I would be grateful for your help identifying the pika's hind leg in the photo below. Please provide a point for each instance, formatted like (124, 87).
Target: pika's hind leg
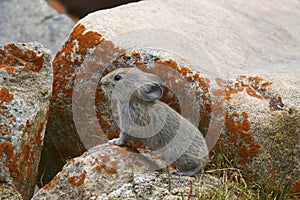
(121, 140)
(192, 172)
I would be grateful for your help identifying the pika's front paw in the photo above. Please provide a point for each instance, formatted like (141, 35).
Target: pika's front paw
(116, 141)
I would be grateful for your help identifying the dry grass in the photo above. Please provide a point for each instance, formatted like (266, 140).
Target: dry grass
(234, 186)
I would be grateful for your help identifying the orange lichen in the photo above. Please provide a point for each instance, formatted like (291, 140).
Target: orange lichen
(252, 92)
(139, 63)
(28, 124)
(12, 55)
(38, 138)
(71, 160)
(47, 186)
(241, 144)
(264, 85)
(63, 59)
(10, 69)
(110, 170)
(5, 95)
(111, 133)
(237, 128)
(98, 168)
(22, 168)
(255, 79)
(53, 183)
(125, 152)
(168, 63)
(252, 85)
(7, 149)
(185, 71)
(19, 168)
(104, 165)
(74, 179)
(136, 55)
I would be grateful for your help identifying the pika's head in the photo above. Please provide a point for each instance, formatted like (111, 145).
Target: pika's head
(132, 84)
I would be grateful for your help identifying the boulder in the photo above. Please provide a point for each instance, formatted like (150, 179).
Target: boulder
(25, 90)
(261, 130)
(98, 171)
(33, 21)
(81, 8)
(230, 68)
(111, 172)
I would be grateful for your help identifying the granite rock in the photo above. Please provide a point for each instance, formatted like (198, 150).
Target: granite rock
(25, 90)
(261, 133)
(112, 172)
(98, 171)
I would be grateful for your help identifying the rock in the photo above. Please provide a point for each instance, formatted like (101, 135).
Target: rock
(261, 133)
(232, 38)
(157, 185)
(100, 170)
(81, 8)
(8, 192)
(25, 90)
(217, 61)
(112, 172)
(33, 21)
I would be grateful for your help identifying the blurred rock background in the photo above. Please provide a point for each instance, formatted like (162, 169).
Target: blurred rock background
(80, 8)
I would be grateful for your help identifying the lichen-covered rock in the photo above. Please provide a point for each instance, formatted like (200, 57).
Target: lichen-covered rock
(8, 192)
(33, 21)
(25, 90)
(206, 59)
(100, 170)
(262, 125)
(112, 172)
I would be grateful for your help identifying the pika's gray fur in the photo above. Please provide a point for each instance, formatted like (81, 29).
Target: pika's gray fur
(160, 128)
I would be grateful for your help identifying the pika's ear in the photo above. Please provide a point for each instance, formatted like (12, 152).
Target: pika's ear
(150, 91)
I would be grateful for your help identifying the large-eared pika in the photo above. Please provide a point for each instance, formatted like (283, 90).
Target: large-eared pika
(156, 125)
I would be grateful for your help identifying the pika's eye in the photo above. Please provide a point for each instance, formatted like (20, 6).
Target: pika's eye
(117, 77)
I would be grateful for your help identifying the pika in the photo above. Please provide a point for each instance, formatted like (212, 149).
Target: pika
(141, 116)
